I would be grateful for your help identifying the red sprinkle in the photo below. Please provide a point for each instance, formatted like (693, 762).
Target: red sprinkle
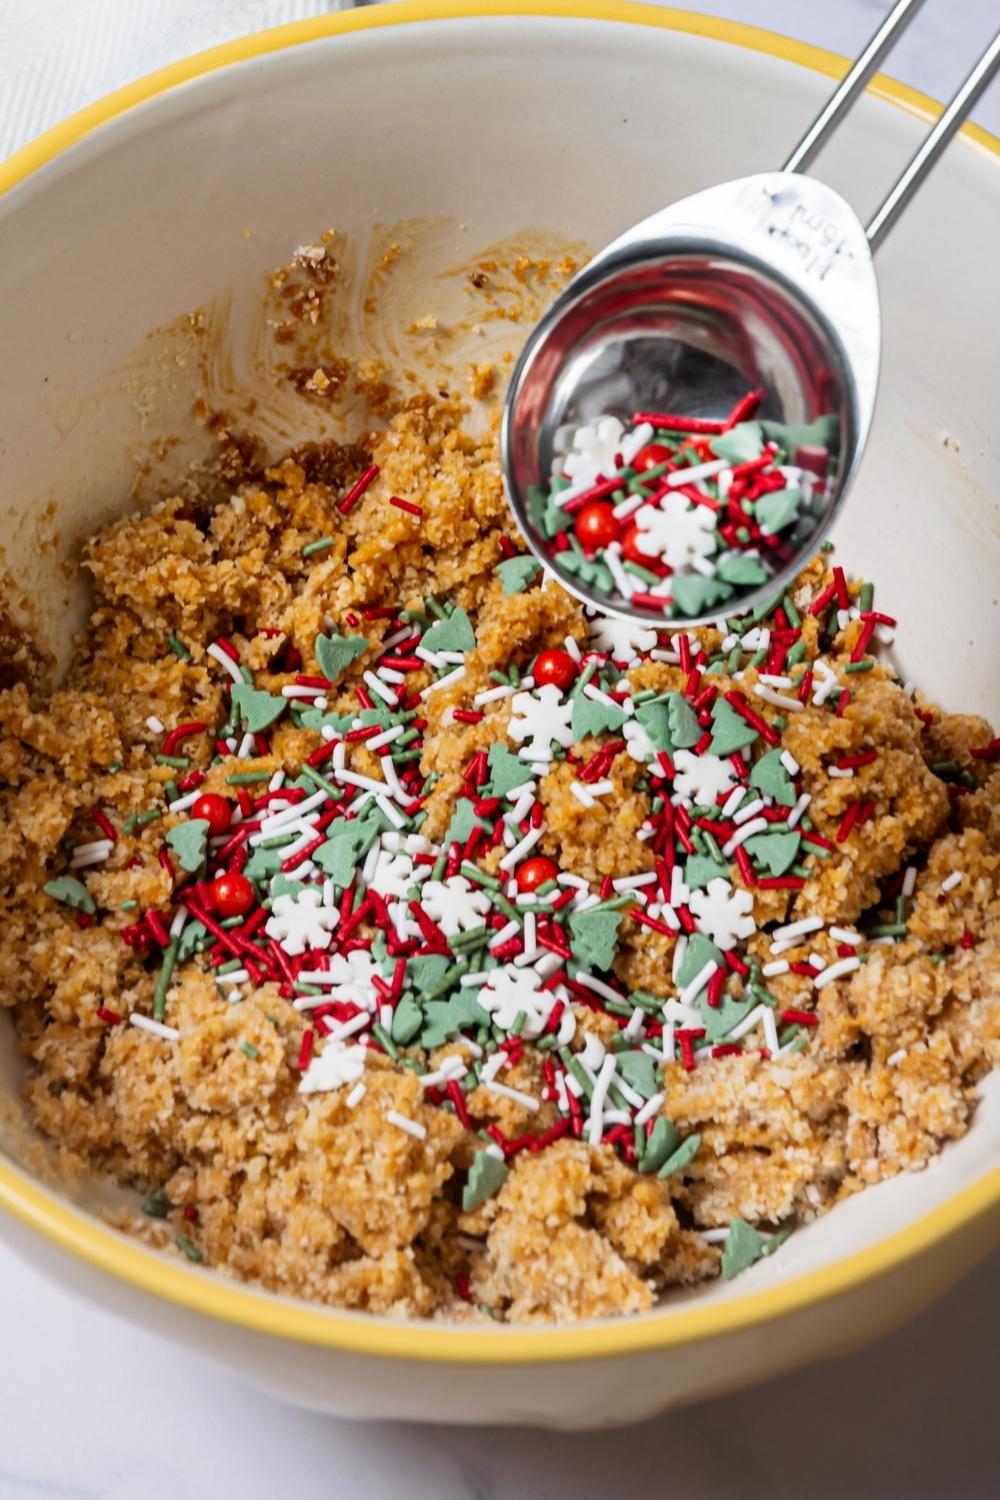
(350, 500)
(407, 505)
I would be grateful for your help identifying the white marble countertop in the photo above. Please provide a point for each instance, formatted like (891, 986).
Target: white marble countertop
(95, 1410)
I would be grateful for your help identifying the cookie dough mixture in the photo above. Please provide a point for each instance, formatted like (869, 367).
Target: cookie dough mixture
(409, 941)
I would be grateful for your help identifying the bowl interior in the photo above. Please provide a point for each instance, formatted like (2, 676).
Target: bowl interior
(497, 126)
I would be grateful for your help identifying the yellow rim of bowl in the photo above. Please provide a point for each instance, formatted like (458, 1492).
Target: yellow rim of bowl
(216, 1297)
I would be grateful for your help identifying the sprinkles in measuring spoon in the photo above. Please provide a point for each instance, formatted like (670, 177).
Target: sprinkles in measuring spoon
(681, 515)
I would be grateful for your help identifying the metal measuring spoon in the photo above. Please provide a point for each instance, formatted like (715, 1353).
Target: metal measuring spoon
(763, 283)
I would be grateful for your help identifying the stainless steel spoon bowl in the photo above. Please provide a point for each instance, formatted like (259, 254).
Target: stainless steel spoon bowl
(765, 282)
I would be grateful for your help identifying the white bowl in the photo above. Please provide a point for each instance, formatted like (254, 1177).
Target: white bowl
(578, 118)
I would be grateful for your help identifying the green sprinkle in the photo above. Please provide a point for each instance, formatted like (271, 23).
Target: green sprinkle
(318, 546)
(867, 596)
(311, 774)
(163, 980)
(487, 1176)
(156, 1205)
(826, 547)
(888, 929)
(178, 762)
(250, 1050)
(71, 892)
(679, 1158)
(178, 648)
(945, 767)
(385, 1040)
(247, 778)
(189, 841)
(127, 905)
(859, 666)
(744, 1246)
(171, 791)
(189, 1248)
(117, 765)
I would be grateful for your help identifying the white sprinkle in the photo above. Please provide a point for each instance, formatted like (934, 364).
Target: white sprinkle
(527, 1100)
(634, 882)
(680, 948)
(356, 1095)
(572, 649)
(412, 1127)
(627, 506)
(515, 855)
(380, 690)
(756, 825)
(626, 586)
(789, 762)
(697, 984)
(600, 788)
(346, 1028)
(236, 976)
(777, 966)
(225, 660)
(493, 695)
(595, 1125)
(155, 1028)
(796, 929)
(798, 810)
(155, 724)
(846, 935)
(590, 691)
(733, 801)
(714, 1236)
(581, 794)
(696, 471)
(635, 1025)
(845, 774)
(895, 1058)
(946, 885)
(181, 804)
(396, 818)
(505, 934)
(178, 924)
(774, 681)
(366, 783)
(836, 971)
(576, 881)
(751, 809)
(390, 675)
(649, 1109)
(779, 700)
(447, 681)
(599, 987)
(294, 691)
(910, 880)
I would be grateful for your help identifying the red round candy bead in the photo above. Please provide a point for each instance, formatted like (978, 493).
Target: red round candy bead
(651, 456)
(554, 666)
(216, 811)
(597, 525)
(232, 894)
(535, 872)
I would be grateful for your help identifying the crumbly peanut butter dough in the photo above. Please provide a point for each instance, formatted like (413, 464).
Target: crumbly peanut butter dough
(306, 1195)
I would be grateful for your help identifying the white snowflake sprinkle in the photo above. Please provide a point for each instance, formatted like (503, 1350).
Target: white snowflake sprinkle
(622, 640)
(595, 447)
(703, 778)
(723, 913)
(509, 991)
(675, 531)
(302, 922)
(454, 904)
(538, 718)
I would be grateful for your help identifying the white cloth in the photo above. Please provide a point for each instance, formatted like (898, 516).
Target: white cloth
(58, 55)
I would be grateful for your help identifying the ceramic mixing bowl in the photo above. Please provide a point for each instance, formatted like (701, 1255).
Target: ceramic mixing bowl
(579, 118)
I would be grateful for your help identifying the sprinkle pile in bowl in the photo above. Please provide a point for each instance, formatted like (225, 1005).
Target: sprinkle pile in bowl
(681, 515)
(411, 941)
